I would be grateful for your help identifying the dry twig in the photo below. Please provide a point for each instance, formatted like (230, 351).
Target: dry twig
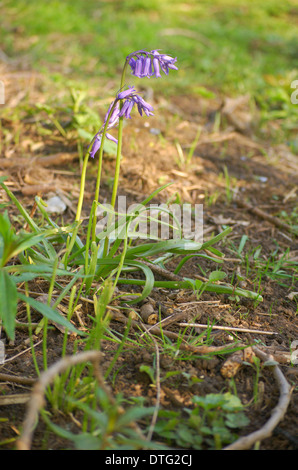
(163, 272)
(277, 415)
(16, 379)
(158, 389)
(183, 345)
(16, 399)
(36, 401)
(228, 328)
(264, 215)
(37, 397)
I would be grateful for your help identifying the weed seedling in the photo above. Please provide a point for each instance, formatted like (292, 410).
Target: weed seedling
(210, 423)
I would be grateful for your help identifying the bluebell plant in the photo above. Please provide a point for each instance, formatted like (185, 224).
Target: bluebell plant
(142, 64)
(102, 261)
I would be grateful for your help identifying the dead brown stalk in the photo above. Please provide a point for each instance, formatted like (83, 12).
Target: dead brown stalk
(278, 413)
(36, 401)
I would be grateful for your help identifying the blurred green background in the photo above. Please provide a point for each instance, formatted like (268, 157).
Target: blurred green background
(224, 46)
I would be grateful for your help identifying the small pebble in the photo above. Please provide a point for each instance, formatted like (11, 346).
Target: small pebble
(55, 205)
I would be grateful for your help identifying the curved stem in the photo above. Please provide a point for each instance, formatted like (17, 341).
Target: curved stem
(82, 186)
(99, 169)
(118, 162)
(118, 157)
(97, 187)
(71, 239)
(119, 146)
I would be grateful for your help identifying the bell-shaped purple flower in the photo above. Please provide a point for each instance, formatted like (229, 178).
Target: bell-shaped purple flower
(112, 138)
(143, 106)
(126, 109)
(114, 118)
(147, 67)
(165, 61)
(132, 62)
(126, 93)
(97, 143)
(139, 67)
(131, 98)
(156, 67)
(148, 64)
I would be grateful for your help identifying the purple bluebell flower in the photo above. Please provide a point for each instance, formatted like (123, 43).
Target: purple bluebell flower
(132, 62)
(139, 67)
(114, 118)
(147, 67)
(97, 143)
(166, 62)
(155, 62)
(143, 106)
(148, 64)
(112, 138)
(142, 64)
(126, 93)
(127, 108)
(129, 98)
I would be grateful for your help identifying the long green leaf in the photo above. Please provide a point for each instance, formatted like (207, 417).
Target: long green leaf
(48, 246)
(186, 258)
(28, 240)
(22, 210)
(49, 313)
(217, 238)
(122, 224)
(92, 267)
(179, 246)
(189, 283)
(148, 283)
(8, 303)
(39, 269)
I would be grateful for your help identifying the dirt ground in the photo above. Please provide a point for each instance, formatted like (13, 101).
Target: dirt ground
(263, 183)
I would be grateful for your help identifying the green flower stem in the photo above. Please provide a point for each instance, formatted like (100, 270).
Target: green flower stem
(97, 187)
(82, 186)
(71, 240)
(116, 178)
(88, 237)
(31, 332)
(99, 170)
(118, 161)
(118, 158)
(121, 261)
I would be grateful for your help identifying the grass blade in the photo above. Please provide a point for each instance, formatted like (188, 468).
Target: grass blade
(48, 312)
(8, 303)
